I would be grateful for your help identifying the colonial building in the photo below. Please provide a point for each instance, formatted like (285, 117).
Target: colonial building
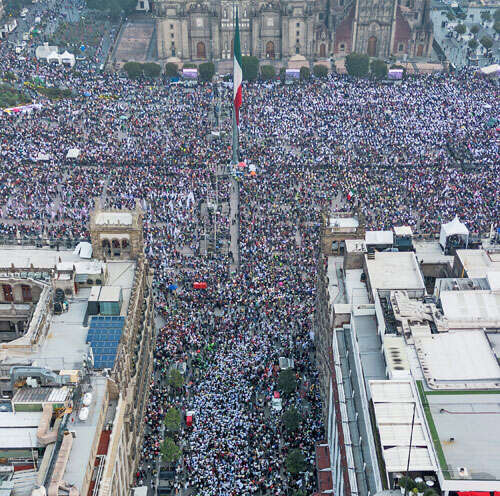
(317, 29)
(77, 336)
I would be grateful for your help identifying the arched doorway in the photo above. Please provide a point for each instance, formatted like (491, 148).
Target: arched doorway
(106, 248)
(322, 50)
(115, 243)
(270, 50)
(372, 46)
(201, 51)
(420, 50)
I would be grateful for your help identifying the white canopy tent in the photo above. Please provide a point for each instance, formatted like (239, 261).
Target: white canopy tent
(73, 153)
(455, 227)
(67, 58)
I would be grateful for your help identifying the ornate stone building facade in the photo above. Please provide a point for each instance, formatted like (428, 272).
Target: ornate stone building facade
(317, 29)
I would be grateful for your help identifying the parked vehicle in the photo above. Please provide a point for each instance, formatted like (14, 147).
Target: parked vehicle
(24, 13)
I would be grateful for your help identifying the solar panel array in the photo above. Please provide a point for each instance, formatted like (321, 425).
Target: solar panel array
(104, 335)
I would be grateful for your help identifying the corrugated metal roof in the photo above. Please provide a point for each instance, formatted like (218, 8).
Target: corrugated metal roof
(41, 395)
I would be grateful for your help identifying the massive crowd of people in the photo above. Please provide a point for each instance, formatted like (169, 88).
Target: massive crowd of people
(396, 151)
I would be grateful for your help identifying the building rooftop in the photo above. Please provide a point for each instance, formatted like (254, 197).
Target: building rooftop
(398, 270)
(19, 419)
(468, 431)
(471, 309)
(116, 218)
(458, 360)
(430, 252)
(477, 263)
(85, 432)
(379, 237)
(42, 258)
(19, 438)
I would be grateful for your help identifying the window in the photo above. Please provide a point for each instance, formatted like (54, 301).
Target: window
(297, 50)
(320, 16)
(298, 33)
(400, 47)
(342, 46)
(297, 41)
(26, 290)
(199, 22)
(225, 14)
(416, 15)
(171, 26)
(142, 5)
(298, 24)
(7, 292)
(172, 35)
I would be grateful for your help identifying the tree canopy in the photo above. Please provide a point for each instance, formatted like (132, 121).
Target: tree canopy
(170, 452)
(378, 68)
(250, 68)
(357, 64)
(287, 383)
(295, 461)
(320, 71)
(172, 420)
(206, 71)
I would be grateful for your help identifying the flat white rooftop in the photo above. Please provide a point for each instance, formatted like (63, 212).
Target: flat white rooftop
(394, 270)
(477, 263)
(42, 258)
(472, 421)
(379, 237)
(19, 419)
(465, 309)
(115, 218)
(19, 438)
(459, 360)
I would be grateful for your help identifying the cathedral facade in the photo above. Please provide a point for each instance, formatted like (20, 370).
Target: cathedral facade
(279, 29)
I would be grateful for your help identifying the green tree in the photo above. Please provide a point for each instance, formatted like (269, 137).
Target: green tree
(282, 74)
(460, 29)
(496, 26)
(287, 383)
(250, 68)
(206, 71)
(295, 462)
(379, 68)
(357, 64)
(450, 16)
(486, 16)
(175, 379)
(170, 452)
(133, 69)
(462, 15)
(474, 29)
(171, 70)
(190, 65)
(320, 71)
(172, 420)
(487, 42)
(291, 420)
(9, 76)
(305, 73)
(267, 72)
(496, 15)
(151, 69)
(473, 44)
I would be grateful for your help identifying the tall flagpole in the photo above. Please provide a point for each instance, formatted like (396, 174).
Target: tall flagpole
(234, 228)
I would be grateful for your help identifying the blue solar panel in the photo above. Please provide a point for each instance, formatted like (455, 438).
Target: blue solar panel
(104, 335)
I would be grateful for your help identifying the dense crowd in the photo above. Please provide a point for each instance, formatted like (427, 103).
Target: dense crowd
(395, 151)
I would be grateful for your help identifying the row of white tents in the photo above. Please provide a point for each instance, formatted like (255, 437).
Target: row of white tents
(50, 55)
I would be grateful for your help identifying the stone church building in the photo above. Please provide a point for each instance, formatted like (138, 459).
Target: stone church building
(279, 29)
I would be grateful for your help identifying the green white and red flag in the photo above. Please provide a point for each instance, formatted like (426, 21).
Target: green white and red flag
(237, 72)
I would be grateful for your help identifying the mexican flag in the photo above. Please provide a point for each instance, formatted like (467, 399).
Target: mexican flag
(350, 194)
(237, 72)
